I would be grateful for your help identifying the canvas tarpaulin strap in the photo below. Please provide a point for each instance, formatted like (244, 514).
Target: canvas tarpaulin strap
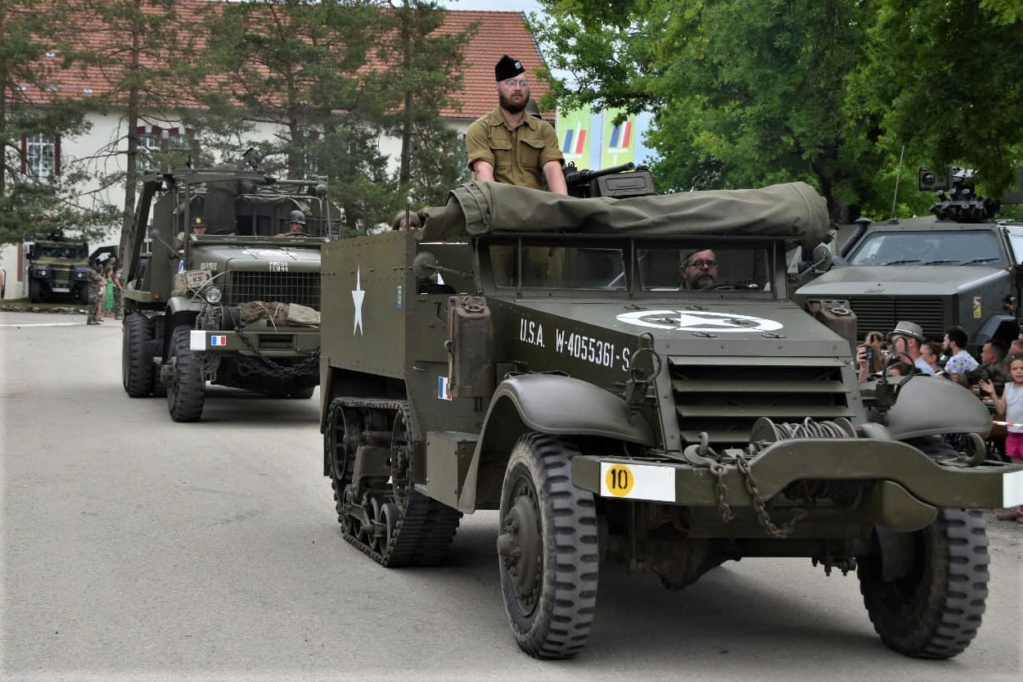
(279, 314)
(794, 211)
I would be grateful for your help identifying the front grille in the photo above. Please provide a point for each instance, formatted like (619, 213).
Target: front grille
(285, 287)
(725, 396)
(882, 313)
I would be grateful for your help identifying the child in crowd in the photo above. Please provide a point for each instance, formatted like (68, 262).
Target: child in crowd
(1010, 404)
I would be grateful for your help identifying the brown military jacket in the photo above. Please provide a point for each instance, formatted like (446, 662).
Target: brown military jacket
(518, 156)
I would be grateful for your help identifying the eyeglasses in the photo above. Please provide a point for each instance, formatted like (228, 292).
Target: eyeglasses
(703, 264)
(522, 83)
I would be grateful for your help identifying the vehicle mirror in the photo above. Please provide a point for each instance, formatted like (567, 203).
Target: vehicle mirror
(822, 258)
(425, 265)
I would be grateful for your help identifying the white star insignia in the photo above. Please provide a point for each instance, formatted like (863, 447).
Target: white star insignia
(357, 297)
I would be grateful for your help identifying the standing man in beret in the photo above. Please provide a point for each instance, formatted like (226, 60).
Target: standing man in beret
(508, 145)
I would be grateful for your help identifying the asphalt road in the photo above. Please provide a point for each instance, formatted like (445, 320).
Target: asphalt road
(137, 548)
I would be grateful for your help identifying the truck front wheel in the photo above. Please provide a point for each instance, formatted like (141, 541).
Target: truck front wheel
(35, 291)
(185, 394)
(925, 591)
(548, 554)
(136, 362)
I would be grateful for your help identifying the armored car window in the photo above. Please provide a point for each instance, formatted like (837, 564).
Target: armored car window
(714, 268)
(929, 247)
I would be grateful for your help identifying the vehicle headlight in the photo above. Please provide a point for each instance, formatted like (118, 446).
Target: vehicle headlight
(41, 272)
(213, 295)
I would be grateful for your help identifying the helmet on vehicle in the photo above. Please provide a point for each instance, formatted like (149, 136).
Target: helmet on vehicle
(297, 217)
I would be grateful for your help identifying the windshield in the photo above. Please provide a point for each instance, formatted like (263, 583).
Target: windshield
(658, 269)
(61, 252)
(930, 247)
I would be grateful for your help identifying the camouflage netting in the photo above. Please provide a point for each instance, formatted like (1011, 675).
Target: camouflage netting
(794, 211)
(279, 314)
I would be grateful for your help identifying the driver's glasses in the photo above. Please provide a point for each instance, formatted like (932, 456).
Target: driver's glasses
(700, 264)
(522, 83)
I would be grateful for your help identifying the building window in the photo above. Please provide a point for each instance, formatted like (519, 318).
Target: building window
(41, 154)
(152, 137)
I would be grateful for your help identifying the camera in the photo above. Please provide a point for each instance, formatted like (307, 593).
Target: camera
(869, 354)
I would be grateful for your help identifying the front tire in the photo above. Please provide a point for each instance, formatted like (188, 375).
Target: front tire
(932, 606)
(185, 395)
(136, 362)
(35, 291)
(548, 551)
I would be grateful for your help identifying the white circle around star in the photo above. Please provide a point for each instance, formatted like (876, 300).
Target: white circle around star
(698, 321)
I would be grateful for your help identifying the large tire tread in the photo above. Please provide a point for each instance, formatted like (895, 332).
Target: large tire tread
(186, 395)
(942, 616)
(560, 623)
(136, 361)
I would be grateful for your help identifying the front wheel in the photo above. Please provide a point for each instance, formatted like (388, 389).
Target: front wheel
(185, 394)
(925, 591)
(136, 359)
(548, 552)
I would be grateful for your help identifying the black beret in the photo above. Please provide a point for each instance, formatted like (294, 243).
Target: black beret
(507, 67)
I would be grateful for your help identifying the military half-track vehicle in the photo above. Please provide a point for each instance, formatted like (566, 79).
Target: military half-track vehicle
(539, 355)
(58, 269)
(958, 267)
(237, 306)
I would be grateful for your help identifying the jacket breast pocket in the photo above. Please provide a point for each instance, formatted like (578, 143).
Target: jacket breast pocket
(502, 149)
(529, 153)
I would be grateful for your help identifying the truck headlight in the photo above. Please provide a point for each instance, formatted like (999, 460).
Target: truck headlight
(213, 295)
(41, 272)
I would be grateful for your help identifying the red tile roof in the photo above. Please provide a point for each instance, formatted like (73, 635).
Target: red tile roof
(497, 33)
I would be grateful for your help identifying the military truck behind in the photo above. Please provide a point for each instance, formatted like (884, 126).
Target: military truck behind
(958, 267)
(538, 355)
(58, 269)
(237, 306)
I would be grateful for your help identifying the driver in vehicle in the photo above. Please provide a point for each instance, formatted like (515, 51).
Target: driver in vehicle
(296, 225)
(699, 270)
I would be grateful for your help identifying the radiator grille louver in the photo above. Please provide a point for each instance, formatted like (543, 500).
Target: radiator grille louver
(882, 313)
(285, 287)
(726, 399)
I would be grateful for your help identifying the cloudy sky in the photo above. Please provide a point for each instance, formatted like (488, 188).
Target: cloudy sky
(502, 5)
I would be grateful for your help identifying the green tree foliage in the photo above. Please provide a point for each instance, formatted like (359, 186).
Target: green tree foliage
(423, 63)
(36, 43)
(945, 79)
(833, 92)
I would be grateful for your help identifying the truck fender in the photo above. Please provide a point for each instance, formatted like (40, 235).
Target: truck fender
(932, 405)
(1002, 327)
(181, 304)
(547, 403)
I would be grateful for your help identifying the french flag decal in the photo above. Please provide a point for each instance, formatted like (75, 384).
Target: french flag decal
(218, 340)
(575, 141)
(621, 136)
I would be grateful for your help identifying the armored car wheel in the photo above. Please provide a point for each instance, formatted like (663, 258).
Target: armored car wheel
(548, 554)
(185, 394)
(136, 362)
(925, 591)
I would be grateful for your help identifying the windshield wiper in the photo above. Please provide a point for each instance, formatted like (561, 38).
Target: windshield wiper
(940, 262)
(979, 260)
(902, 262)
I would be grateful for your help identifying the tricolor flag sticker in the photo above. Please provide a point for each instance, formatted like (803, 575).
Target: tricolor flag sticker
(218, 340)
(442, 388)
(621, 136)
(575, 141)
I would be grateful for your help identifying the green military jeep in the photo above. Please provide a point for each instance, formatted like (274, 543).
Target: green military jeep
(549, 357)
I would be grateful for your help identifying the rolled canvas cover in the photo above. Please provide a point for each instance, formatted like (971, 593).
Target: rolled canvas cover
(794, 211)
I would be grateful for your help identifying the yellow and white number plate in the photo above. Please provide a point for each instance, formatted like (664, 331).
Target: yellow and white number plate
(637, 482)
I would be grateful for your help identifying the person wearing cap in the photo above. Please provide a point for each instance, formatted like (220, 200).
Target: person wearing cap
(198, 229)
(699, 269)
(296, 225)
(906, 338)
(508, 145)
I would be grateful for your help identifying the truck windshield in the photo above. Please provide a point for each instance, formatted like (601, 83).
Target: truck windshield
(61, 252)
(660, 269)
(929, 247)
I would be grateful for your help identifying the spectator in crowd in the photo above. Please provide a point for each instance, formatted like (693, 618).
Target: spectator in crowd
(875, 340)
(905, 340)
(992, 366)
(959, 359)
(97, 283)
(931, 354)
(1010, 404)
